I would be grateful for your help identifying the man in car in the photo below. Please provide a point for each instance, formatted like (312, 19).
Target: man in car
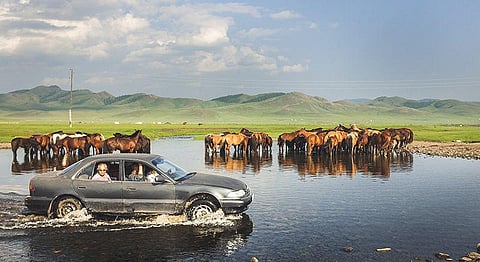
(137, 173)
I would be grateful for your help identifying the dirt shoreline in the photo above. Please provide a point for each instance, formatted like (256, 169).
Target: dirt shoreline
(451, 149)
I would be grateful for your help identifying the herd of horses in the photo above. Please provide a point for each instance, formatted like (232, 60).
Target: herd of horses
(60, 143)
(242, 143)
(314, 141)
(342, 139)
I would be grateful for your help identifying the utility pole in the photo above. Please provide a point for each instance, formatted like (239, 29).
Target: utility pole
(70, 123)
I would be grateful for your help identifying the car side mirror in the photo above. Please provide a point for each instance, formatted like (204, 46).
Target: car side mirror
(159, 179)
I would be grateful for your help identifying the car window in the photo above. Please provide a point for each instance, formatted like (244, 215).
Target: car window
(86, 172)
(113, 169)
(134, 171)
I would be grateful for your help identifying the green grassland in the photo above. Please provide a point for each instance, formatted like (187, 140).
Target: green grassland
(10, 130)
(44, 109)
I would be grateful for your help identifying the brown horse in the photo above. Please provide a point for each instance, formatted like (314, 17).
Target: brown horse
(238, 141)
(267, 142)
(315, 141)
(44, 142)
(287, 140)
(143, 144)
(124, 144)
(351, 141)
(208, 140)
(72, 144)
(218, 143)
(30, 145)
(96, 141)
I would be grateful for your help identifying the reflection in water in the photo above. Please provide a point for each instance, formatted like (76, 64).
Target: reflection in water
(239, 162)
(43, 164)
(121, 242)
(316, 165)
(345, 164)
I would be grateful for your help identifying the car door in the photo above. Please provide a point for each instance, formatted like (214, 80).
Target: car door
(100, 196)
(148, 197)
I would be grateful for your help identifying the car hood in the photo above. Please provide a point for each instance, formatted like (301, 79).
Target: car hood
(215, 180)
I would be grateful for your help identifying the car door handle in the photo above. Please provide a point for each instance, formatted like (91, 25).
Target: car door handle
(82, 187)
(131, 189)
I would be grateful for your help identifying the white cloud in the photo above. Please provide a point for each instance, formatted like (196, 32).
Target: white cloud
(287, 14)
(143, 39)
(128, 23)
(211, 35)
(297, 68)
(209, 62)
(282, 58)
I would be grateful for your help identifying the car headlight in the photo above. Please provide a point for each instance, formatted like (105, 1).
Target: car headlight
(236, 194)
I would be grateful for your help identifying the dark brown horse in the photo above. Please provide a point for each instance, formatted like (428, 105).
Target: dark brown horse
(30, 145)
(143, 145)
(44, 142)
(96, 141)
(287, 140)
(72, 144)
(122, 143)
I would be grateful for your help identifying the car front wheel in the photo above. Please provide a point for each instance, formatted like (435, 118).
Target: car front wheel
(67, 205)
(200, 208)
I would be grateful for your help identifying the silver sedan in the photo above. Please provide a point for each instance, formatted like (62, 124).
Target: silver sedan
(132, 185)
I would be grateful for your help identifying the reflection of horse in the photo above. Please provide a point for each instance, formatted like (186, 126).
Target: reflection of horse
(30, 146)
(124, 144)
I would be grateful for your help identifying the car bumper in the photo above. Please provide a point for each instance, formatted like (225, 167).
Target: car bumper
(37, 205)
(237, 205)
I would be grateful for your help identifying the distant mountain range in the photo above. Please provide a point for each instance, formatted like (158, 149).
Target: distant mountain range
(51, 103)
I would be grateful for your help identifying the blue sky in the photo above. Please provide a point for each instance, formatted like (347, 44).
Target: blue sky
(206, 49)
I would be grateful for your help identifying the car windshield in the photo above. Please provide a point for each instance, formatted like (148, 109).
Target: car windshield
(172, 170)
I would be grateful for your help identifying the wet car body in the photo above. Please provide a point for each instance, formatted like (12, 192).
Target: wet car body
(174, 190)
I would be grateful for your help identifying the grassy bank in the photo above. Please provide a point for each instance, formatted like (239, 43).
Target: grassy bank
(437, 133)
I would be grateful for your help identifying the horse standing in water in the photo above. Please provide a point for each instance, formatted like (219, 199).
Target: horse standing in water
(30, 145)
(96, 141)
(124, 144)
(71, 144)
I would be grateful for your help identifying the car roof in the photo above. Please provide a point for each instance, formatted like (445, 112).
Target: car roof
(123, 156)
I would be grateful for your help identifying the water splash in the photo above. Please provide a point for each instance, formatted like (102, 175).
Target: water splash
(82, 218)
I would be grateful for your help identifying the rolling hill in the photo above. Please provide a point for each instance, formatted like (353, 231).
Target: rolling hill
(51, 103)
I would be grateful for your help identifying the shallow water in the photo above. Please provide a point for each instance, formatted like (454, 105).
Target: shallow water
(305, 208)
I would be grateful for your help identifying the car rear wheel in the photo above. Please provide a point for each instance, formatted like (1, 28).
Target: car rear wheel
(200, 208)
(67, 205)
